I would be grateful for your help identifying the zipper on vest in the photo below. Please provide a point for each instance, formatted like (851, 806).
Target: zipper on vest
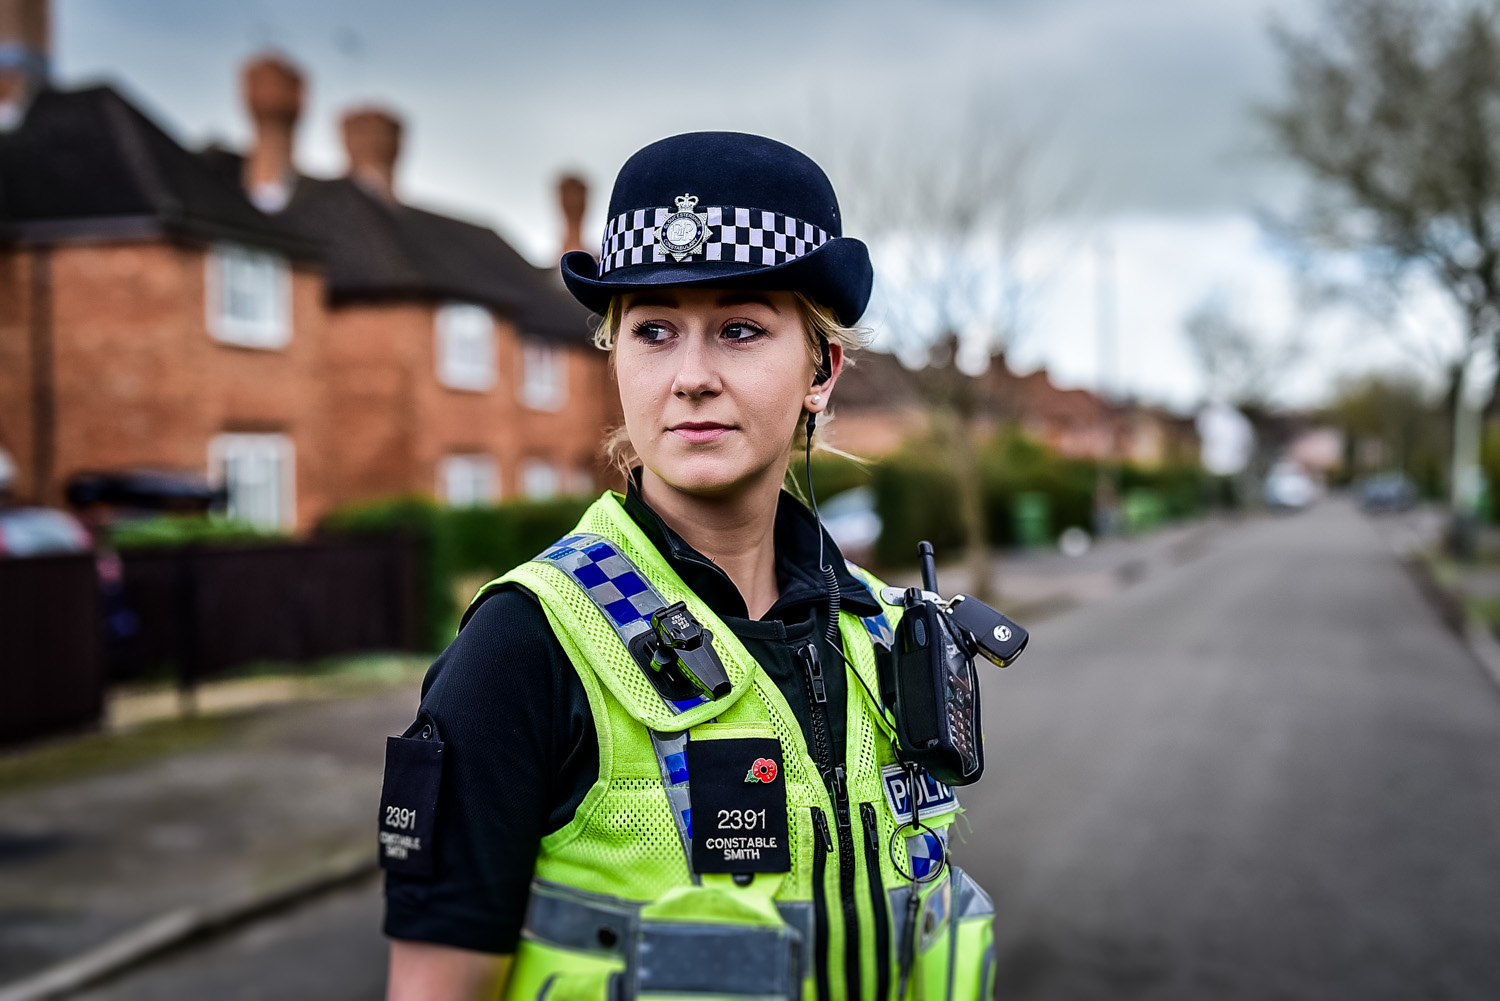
(846, 885)
(820, 903)
(834, 779)
(878, 903)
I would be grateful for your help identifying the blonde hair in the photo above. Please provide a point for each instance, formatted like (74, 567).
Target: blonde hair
(818, 322)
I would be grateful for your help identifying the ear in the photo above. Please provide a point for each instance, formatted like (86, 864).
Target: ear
(822, 384)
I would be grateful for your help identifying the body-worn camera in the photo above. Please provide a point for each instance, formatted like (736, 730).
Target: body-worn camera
(930, 684)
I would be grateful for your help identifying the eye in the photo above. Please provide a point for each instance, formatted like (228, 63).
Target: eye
(651, 333)
(742, 330)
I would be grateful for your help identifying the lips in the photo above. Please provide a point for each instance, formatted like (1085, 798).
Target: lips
(700, 430)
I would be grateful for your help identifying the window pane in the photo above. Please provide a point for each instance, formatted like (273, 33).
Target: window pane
(465, 347)
(468, 480)
(248, 297)
(539, 480)
(543, 377)
(257, 471)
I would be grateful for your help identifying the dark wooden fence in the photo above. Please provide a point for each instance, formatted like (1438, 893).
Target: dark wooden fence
(52, 673)
(200, 611)
(190, 614)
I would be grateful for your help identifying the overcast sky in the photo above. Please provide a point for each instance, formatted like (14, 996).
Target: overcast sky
(1149, 100)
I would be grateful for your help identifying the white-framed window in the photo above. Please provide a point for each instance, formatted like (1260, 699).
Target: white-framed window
(544, 376)
(259, 471)
(465, 347)
(468, 480)
(540, 479)
(580, 481)
(248, 297)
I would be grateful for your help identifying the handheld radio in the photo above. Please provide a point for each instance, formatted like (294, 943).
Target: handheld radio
(930, 684)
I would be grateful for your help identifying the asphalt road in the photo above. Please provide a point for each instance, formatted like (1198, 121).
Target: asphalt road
(1266, 773)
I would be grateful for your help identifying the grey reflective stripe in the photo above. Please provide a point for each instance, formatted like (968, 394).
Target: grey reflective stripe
(626, 598)
(742, 961)
(969, 898)
(799, 914)
(956, 877)
(898, 911)
(722, 960)
(572, 919)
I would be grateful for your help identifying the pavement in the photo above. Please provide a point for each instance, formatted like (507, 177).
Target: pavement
(246, 812)
(1271, 773)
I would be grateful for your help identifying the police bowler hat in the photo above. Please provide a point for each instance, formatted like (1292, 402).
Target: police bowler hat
(724, 210)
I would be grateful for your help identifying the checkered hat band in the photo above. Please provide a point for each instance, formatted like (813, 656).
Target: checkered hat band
(614, 584)
(741, 236)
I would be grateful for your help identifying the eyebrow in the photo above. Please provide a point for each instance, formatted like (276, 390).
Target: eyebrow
(663, 299)
(746, 298)
(666, 300)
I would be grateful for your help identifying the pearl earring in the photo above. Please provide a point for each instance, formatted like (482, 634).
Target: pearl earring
(817, 398)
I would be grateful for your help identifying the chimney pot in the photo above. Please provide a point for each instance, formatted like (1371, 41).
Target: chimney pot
(372, 141)
(25, 55)
(273, 95)
(573, 196)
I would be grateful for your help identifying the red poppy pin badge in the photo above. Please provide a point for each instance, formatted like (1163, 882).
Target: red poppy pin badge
(764, 770)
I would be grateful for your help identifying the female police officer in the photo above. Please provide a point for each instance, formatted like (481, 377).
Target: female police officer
(652, 761)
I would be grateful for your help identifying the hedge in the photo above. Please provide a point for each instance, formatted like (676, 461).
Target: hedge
(916, 495)
(169, 531)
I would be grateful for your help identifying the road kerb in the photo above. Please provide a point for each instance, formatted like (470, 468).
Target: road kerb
(175, 927)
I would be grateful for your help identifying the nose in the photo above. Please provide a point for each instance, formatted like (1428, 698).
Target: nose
(697, 372)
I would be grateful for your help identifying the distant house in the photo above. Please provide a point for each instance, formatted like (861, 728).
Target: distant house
(309, 342)
(879, 404)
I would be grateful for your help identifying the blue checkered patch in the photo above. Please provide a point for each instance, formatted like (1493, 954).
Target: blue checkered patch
(615, 585)
(610, 580)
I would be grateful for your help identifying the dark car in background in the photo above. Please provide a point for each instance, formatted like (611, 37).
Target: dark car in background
(1387, 492)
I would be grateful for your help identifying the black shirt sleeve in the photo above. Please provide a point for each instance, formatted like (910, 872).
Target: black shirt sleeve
(520, 753)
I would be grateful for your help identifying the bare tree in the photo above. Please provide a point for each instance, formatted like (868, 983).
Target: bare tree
(950, 208)
(1392, 111)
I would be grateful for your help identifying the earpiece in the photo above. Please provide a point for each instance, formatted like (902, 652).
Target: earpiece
(825, 366)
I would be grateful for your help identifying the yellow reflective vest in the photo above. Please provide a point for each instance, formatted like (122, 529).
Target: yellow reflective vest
(616, 910)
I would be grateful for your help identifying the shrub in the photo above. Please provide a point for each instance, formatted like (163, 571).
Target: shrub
(916, 497)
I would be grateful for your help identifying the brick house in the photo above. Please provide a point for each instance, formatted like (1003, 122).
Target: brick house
(126, 336)
(310, 342)
(455, 366)
(879, 404)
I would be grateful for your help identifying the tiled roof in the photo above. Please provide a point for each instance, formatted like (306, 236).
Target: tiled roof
(377, 250)
(87, 163)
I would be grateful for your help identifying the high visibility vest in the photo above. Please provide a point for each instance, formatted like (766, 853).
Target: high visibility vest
(616, 911)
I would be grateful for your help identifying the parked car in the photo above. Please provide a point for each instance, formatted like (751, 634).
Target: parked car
(40, 531)
(1289, 488)
(1387, 492)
